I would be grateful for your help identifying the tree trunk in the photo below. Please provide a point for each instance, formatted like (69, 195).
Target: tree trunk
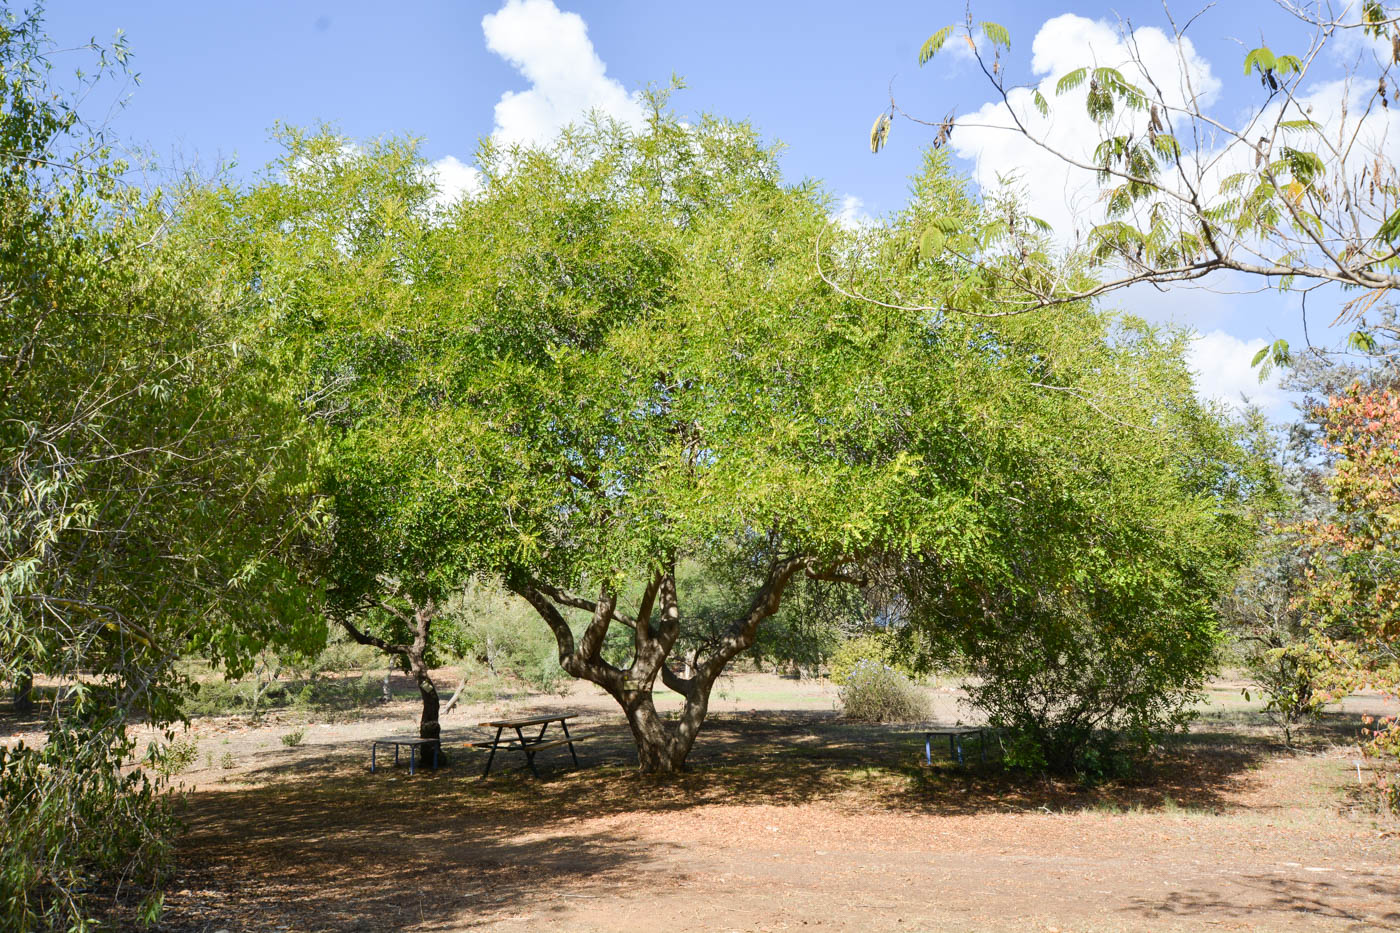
(662, 746)
(413, 657)
(24, 694)
(428, 725)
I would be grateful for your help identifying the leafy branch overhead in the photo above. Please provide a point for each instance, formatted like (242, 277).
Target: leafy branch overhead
(1297, 192)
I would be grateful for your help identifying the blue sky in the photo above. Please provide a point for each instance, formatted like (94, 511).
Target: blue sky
(215, 77)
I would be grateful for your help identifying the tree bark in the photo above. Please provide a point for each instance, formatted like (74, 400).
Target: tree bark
(24, 694)
(428, 725)
(663, 746)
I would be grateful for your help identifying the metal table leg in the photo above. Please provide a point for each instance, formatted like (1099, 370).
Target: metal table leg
(492, 757)
(565, 726)
(530, 755)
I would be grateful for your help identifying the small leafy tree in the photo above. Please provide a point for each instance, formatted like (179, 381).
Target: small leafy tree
(1272, 638)
(1353, 581)
(151, 473)
(1102, 624)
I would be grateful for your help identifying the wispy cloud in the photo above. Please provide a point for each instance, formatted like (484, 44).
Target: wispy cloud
(852, 214)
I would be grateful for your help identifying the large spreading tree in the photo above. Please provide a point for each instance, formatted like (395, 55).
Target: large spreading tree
(618, 357)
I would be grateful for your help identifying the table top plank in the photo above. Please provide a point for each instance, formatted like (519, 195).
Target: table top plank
(527, 721)
(403, 740)
(953, 730)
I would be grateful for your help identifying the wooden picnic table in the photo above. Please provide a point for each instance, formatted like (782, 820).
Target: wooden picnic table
(955, 736)
(415, 745)
(529, 745)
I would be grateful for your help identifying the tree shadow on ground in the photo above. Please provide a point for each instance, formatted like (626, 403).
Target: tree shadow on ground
(317, 842)
(1284, 897)
(795, 758)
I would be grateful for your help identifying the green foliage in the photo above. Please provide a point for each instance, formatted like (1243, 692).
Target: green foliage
(254, 696)
(70, 813)
(996, 34)
(875, 692)
(1087, 611)
(175, 757)
(1270, 636)
(293, 739)
(933, 44)
(875, 649)
(500, 637)
(1275, 354)
(153, 474)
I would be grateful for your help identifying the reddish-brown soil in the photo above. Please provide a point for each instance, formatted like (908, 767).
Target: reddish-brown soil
(790, 819)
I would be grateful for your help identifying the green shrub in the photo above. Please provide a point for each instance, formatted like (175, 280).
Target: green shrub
(71, 812)
(1080, 693)
(875, 692)
(252, 696)
(293, 739)
(499, 637)
(175, 757)
(872, 648)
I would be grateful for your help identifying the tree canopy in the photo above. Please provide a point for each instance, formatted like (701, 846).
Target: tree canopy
(1300, 188)
(620, 355)
(153, 471)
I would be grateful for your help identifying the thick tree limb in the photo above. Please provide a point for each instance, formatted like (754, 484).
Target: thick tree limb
(373, 641)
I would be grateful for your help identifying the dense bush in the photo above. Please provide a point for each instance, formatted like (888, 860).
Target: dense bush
(71, 815)
(872, 648)
(875, 692)
(1074, 688)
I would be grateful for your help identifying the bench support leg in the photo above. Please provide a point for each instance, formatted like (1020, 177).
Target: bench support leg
(374, 747)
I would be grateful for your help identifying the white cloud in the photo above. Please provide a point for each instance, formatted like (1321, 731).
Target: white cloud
(454, 179)
(551, 49)
(853, 215)
(1056, 191)
(1223, 372)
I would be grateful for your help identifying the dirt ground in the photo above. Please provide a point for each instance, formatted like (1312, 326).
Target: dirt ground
(791, 819)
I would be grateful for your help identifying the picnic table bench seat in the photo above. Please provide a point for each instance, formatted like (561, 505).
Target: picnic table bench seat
(415, 744)
(534, 746)
(955, 735)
